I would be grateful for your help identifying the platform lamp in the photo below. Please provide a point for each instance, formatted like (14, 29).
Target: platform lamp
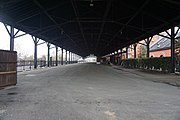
(91, 3)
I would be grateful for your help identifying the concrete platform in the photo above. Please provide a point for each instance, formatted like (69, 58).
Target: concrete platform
(89, 92)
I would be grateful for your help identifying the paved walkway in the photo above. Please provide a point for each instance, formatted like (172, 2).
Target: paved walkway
(167, 78)
(89, 92)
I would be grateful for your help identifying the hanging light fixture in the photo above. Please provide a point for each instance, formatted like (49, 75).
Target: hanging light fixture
(91, 3)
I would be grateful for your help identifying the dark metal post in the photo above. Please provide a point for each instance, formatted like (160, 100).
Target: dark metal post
(61, 56)
(66, 56)
(12, 38)
(117, 57)
(135, 62)
(126, 52)
(172, 50)
(48, 56)
(56, 55)
(69, 57)
(147, 45)
(114, 59)
(35, 52)
(135, 45)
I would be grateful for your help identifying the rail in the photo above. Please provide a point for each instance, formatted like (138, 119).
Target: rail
(26, 65)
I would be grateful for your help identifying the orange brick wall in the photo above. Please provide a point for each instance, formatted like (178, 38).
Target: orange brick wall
(165, 53)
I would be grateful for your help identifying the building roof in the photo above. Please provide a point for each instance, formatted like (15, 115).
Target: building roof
(161, 44)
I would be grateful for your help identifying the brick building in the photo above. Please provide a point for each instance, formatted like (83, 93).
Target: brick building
(159, 46)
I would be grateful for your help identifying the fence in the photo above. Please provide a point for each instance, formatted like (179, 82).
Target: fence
(8, 71)
(29, 64)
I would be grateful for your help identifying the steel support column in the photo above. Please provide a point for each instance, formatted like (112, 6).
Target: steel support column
(12, 38)
(61, 56)
(12, 35)
(35, 51)
(147, 45)
(135, 45)
(56, 55)
(66, 56)
(147, 41)
(126, 52)
(69, 57)
(135, 62)
(117, 58)
(172, 50)
(114, 58)
(147, 54)
(48, 55)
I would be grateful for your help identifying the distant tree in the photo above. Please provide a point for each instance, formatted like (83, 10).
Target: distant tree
(178, 43)
(43, 57)
(59, 56)
(26, 57)
(19, 51)
(53, 55)
(142, 51)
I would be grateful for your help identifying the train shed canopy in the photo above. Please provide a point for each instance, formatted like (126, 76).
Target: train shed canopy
(91, 26)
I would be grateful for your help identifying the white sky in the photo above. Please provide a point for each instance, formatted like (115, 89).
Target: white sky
(24, 45)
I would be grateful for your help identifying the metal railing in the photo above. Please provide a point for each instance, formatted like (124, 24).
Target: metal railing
(26, 65)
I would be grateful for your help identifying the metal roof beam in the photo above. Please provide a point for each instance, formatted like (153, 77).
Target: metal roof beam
(56, 24)
(147, 13)
(43, 11)
(108, 6)
(48, 28)
(173, 1)
(120, 31)
(77, 18)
